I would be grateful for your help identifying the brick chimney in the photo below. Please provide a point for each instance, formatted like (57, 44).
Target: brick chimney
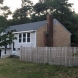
(49, 34)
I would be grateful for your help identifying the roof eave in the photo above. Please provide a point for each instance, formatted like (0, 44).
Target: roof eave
(63, 27)
(29, 31)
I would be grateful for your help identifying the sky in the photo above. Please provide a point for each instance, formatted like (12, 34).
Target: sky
(14, 4)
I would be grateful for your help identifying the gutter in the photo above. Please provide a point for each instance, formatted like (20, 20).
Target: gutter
(24, 31)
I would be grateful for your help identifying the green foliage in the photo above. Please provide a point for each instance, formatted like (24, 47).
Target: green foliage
(4, 10)
(38, 18)
(60, 9)
(22, 15)
(75, 54)
(22, 12)
(40, 9)
(72, 26)
(5, 37)
(18, 21)
(3, 24)
(27, 3)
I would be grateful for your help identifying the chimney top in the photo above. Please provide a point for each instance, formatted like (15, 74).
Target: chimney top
(49, 16)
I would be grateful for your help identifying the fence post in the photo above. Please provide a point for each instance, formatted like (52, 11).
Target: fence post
(74, 55)
(21, 53)
(49, 61)
(65, 56)
(46, 56)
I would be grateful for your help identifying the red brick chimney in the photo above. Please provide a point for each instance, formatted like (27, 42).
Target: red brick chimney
(49, 30)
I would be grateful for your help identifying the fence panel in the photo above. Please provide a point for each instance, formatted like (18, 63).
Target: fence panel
(51, 55)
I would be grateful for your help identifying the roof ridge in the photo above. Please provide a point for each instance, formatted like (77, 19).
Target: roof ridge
(63, 26)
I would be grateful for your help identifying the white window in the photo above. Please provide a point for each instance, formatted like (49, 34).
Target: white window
(24, 37)
(28, 37)
(20, 38)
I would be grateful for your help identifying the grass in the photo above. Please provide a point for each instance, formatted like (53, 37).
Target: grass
(14, 68)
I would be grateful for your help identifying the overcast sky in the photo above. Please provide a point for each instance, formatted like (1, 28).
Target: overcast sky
(14, 4)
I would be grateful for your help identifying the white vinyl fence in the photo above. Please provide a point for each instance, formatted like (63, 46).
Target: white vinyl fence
(51, 55)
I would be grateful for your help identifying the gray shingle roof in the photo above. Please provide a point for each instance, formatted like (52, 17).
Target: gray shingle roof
(28, 26)
(31, 26)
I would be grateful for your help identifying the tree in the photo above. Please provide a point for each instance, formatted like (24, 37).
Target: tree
(40, 9)
(25, 11)
(26, 3)
(40, 12)
(42, 1)
(23, 14)
(74, 28)
(38, 18)
(61, 10)
(5, 37)
(4, 10)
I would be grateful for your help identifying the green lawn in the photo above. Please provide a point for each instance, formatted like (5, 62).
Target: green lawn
(14, 68)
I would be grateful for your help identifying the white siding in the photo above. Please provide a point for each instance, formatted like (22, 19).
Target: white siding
(8, 53)
(17, 45)
(32, 42)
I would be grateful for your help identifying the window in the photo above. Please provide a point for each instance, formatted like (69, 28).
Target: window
(24, 37)
(20, 38)
(28, 37)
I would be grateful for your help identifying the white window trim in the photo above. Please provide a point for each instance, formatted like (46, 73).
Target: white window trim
(22, 39)
(27, 37)
(24, 32)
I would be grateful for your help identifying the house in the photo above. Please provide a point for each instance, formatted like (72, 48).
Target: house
(47, 33)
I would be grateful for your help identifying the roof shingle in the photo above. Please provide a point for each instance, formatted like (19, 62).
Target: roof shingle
(27, 27)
